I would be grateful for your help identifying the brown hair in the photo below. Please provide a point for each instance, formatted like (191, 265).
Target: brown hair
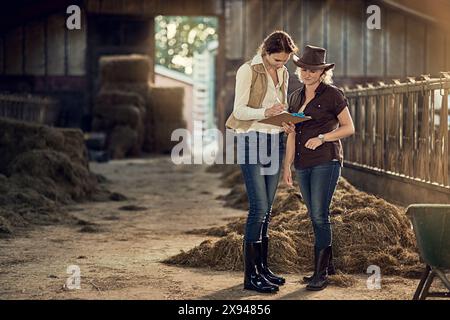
(277, 41)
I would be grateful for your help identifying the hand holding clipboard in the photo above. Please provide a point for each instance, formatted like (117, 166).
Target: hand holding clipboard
(286, 117)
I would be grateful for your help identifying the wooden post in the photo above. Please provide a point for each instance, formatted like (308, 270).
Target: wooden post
(366, 126)
(350, 142)
(399, 133)
(371, 129)
(442, 141)
(391, 119)
(423, 143)
(382, 131)
(408, 137)
(433, 167)
(360, 137)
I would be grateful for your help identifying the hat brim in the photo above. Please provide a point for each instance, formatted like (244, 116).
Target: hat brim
(299, 63)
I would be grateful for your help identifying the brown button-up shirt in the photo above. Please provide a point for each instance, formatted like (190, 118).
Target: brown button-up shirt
(324, 108)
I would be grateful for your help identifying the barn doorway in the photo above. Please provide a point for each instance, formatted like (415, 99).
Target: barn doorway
(186, 48)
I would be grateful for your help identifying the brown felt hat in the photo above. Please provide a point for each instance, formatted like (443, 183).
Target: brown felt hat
(313, 58)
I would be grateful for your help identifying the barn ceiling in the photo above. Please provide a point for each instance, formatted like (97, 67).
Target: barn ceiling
(20, 11)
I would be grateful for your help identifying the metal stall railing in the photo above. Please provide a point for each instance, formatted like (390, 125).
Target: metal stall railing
(402, 128)
(28, 107)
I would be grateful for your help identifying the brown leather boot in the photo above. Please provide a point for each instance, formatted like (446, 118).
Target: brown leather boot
(320, 278)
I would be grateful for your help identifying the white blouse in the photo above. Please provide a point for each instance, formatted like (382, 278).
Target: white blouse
(242, 111)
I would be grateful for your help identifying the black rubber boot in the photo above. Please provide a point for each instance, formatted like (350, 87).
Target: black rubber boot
(320, 279)
(264, 268)
(252, 279)
(331, 269)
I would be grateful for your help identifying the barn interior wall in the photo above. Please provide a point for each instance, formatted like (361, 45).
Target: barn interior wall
(41, 55)
(406, 45)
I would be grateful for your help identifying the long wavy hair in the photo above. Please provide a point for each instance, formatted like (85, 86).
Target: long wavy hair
(277, 41)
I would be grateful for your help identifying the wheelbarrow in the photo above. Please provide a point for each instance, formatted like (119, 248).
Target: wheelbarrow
(431, 223)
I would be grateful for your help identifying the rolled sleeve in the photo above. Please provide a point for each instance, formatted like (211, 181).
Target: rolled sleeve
(340, 103)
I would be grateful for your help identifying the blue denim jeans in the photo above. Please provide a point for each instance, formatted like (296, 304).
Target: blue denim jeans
(317, 186)
(261, 184)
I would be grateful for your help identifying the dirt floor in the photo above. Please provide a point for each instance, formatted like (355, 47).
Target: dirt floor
(119, 251)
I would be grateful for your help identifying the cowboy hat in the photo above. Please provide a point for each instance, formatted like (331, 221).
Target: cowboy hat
(313, 58)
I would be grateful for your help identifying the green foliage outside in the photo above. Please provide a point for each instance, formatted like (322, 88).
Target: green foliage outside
(178, 37)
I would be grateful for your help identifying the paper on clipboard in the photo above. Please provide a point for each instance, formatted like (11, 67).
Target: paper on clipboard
(285, 117)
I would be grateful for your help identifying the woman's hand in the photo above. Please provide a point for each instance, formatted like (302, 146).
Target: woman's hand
(313, 143)
(287, 176)
(288, 127)
(274, 110)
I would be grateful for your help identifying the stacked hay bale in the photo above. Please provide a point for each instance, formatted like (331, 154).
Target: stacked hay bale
(165, 111)
(119, 115)
(120, 107)
(135, 115)
(366, 231)
(40, 168)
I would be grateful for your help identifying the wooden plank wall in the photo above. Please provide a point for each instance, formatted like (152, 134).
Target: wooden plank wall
(406, 45)
(44, 47)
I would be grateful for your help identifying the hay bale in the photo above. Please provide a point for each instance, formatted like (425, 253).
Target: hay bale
(118, 114)
(164, 115)
(149, 125)
(122, 141)
(100, 124)
(166, 103)
(115, 97)
(137, 88)
(125, 68)
(117, 107)
(107, 126)
(162, 132)
(111, 97)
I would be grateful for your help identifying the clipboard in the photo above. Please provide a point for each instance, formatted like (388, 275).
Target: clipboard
(285, 117)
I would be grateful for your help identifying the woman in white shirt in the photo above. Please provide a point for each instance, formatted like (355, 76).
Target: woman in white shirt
(261, 92)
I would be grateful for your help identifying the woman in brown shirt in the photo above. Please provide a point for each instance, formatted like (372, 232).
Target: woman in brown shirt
(316, 151)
